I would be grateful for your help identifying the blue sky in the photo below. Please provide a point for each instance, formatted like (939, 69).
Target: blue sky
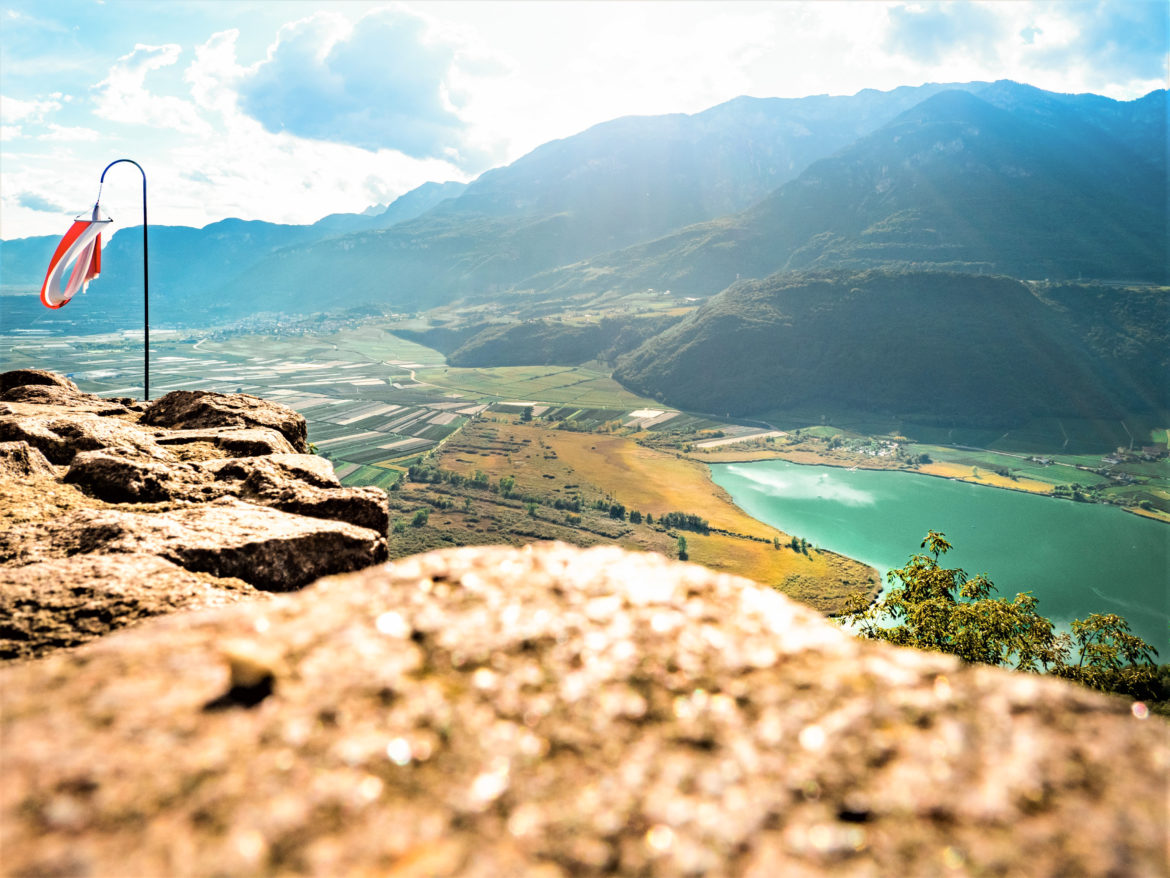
(288, 111)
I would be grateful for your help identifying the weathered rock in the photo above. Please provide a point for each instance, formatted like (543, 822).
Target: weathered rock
(308, 468)
(59, 437)
(551, 711)
(234, 441)
(126, 475)
(69, 601)
(267, 548)
(365, 507)
(24, 377)
(20, 460)
(63, 397)
(193, 409)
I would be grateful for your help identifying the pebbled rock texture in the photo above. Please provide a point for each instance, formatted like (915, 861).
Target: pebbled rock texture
(69, 601)
(193, 409)
(551, 711)
(88, 497)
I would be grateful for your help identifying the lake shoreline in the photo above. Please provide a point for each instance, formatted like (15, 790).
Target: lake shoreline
(802, 459)
(1068, 554)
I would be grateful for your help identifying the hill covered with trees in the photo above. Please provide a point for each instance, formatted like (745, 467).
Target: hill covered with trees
(932, 347)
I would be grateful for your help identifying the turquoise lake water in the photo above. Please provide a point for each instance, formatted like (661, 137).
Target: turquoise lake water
(1077, 558)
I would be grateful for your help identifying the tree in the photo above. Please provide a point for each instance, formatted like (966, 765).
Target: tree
(942, 609)
(420, 518)
(682, 548)
(526, 414)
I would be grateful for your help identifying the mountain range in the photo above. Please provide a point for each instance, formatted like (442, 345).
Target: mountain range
(975, 177)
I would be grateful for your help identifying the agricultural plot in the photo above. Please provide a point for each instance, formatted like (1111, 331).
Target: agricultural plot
(554, 385)
(342, 384)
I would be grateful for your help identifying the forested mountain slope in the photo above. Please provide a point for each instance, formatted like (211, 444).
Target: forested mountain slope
(944, 348)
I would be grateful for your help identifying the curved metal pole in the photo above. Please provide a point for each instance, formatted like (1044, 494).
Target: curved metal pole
(145, 275)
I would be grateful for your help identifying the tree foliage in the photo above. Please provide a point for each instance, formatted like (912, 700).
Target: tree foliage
(943, 609)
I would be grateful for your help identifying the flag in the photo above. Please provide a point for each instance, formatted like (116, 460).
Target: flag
(81, 248)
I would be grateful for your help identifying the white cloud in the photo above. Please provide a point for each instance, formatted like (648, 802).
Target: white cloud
(14, 110)
(382, 82)
(123, 96)
(70, 133)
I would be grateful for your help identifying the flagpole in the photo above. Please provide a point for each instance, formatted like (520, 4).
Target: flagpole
(145, 276)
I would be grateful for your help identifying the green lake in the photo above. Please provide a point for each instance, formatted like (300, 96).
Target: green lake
(1076, 558)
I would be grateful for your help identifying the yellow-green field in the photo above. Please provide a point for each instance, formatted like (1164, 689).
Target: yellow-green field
(553, 463)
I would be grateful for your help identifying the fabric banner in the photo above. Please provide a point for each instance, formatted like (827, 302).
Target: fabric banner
(76, 261)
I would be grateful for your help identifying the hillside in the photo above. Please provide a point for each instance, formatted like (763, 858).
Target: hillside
(541, 342)
(1013, 181)
(934, 348)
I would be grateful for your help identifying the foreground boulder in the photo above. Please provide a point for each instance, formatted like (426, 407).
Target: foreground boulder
(69, 601)
(552, 711)
(194, 409)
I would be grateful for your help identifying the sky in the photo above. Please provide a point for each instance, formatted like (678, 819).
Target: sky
(288, 110)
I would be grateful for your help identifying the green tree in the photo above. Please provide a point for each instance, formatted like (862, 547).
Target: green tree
(682, 548)
(420, 518)
(526, 414)
(943, 609)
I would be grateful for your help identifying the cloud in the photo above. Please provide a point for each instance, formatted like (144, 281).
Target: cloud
(70, 133)
(1123, 42)
(123, 97)
(380, 83)
(928, 33)
(38, 202)
(15, 110)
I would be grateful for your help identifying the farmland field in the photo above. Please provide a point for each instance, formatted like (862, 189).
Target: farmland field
(564, 385)
(556, 464)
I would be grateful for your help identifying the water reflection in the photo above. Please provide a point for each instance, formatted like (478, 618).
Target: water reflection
(808, 485)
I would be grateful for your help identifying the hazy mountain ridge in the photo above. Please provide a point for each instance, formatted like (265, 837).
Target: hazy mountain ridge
(607, 187)
(983, 177)
(955, 183)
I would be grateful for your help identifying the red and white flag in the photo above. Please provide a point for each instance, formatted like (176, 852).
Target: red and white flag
(81, 248)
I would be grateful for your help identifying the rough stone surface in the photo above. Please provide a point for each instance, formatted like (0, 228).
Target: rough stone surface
(552, 711)
(232, 441)
(60, 436)
(125, 475)
(20, 460)
(29, 377)
(298, 483)
(97, 567)
(69, 601)
(53, 395)
(365, 507)
(267, 548)
(307, 468)
(193, 409)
